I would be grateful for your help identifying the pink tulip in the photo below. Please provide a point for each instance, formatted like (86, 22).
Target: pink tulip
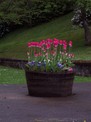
(64, 44)
(29, 44)
(60, 42)
(49, 41)
(33, 44)
(70, 69)
(70, 43)
(71, 55)
(36, 55)
(48, 46)
(53, 52)
(55, 42)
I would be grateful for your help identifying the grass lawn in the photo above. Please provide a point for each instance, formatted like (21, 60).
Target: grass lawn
(17, 76)
(14, 44)
(11, 76)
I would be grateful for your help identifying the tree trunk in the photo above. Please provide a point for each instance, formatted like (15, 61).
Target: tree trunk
(86, 28)
(87, 34)
(29, 3)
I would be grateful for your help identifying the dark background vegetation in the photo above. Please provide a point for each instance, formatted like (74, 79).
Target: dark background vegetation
(17, 13)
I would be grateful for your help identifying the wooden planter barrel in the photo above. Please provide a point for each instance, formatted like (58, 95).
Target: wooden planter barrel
(49, 84)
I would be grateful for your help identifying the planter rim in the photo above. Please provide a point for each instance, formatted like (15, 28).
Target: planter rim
(18, 59)
(81, 61)
(51, 73)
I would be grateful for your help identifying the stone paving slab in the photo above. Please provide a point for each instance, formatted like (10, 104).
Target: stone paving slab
(17, 106)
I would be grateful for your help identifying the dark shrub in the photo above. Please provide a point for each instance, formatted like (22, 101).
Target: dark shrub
(3, 29)
(31, 12)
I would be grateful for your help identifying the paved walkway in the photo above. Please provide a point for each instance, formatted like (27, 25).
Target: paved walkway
(17, 106)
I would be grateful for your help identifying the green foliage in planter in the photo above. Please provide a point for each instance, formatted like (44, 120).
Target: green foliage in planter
(50, 55)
